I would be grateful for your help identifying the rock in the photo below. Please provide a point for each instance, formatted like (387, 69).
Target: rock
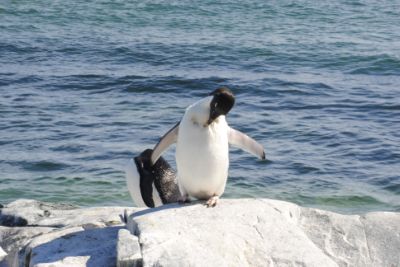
(3, 254)
(24, 212)
(128, 250)
(369, 240)
(383, 237)
(341, 237)
(74, 247)
(13, 239)
(242, 232)
(261, 232)
(85, 237)
(75, 261)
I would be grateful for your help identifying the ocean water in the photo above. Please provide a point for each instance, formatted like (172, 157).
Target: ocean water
(86, 86)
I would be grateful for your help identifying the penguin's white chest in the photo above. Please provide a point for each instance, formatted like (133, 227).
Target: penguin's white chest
(202, 158)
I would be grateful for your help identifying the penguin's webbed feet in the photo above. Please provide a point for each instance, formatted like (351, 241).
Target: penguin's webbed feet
(212, 201)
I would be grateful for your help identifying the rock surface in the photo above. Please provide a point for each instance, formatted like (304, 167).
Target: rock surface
(245, 232)
(261, 232)
(35, 233)
(29, 212)
(93, 247)
(128, 250)
(3, 254)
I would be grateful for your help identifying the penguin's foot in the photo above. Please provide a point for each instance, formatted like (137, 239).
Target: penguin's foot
(184, 199)
(212, 202)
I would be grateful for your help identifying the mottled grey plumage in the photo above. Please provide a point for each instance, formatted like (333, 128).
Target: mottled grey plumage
(159, 176)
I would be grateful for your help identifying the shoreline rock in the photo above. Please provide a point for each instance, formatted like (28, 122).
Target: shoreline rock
(238, 232)
(35, 233)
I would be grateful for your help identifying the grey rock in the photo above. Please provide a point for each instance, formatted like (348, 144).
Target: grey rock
(24, 212)
(382, 231)
(261, 232)
(14, 239)
(128, 250)
(74, 247)
(242, 232)
(34, 221)
(3, 254)
(352, 240)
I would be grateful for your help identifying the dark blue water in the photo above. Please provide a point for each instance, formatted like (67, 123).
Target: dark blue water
(86, 86)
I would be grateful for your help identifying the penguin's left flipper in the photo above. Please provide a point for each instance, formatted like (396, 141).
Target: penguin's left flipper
(167, 140)
(243, 141)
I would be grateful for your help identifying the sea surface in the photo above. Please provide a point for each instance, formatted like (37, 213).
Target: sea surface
(87, 85)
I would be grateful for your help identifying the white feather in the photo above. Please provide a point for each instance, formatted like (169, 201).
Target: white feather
(133, 182)
(202, 155)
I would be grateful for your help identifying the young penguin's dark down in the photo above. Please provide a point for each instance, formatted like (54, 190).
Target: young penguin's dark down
(151, 185)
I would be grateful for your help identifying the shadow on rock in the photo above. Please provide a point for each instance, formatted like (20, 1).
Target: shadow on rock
(75, 246)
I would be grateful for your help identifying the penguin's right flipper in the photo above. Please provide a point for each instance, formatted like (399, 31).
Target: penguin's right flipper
(243, 141)
(168, 139)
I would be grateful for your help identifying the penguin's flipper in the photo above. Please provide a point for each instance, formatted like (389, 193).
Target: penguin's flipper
(168, 139)
(243, 141)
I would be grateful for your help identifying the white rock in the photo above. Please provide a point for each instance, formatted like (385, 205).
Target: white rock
(243, 232)
(15, 237)
(74, 247)
(128, 250)
(45, 224)
(262, 232)
(31, 212)
(24, 212)
(3, 254)
(341, 237)
(12, 239)
(382, 230)
(74, 261)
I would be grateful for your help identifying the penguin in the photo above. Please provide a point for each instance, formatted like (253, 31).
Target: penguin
(202, 140)
(151, 185)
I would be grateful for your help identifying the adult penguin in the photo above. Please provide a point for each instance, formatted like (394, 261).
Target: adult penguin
(202, 147)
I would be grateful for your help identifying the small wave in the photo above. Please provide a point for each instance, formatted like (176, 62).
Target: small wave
(12, 79)
(19, 49)
(368, 65)
(394, 188)
(71, 148)
(174, 85)
(345, 201)
(87, 82)
(44, 166)
(302, 168)
(384, 65)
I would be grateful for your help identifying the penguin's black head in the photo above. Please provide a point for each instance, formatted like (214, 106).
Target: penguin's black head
(222, 102)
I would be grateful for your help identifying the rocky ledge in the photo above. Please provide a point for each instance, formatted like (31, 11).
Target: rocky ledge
(238, 232)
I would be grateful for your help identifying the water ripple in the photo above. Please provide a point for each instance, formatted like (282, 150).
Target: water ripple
(86, 86)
